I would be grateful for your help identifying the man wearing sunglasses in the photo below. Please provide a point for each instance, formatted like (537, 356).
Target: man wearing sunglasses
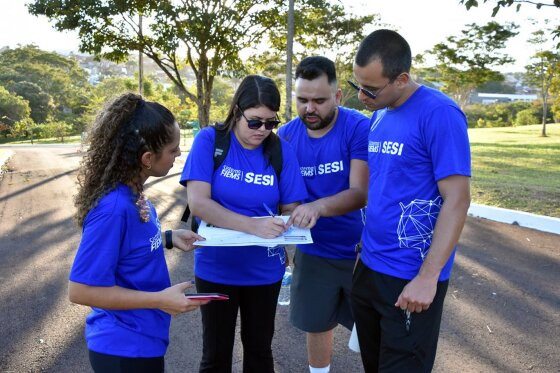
(419, 166)
(331, 146)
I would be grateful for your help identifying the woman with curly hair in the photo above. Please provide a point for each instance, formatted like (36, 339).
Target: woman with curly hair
(120, 269)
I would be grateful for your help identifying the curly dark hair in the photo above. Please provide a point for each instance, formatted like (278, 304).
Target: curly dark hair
(126, 128)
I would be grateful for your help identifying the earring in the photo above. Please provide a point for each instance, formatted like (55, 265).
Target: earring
(149, 167)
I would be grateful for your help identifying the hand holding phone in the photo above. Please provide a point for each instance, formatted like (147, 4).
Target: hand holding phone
(207, 296)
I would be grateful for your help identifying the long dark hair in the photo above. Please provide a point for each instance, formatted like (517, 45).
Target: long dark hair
(254, 91)
(125, 129)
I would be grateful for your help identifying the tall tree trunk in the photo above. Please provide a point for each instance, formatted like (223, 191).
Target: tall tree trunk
(289, 57)
(203, 90)
(544, 109)
(140, 59)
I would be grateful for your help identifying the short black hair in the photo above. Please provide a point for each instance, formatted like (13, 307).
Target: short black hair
(390, 48)
(313, 67)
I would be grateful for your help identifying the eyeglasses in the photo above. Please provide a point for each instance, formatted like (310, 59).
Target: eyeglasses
(367, 92)
(255, 124)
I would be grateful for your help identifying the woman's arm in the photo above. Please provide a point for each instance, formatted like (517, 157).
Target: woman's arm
(171, 300)
(203, 206)
(182, 239)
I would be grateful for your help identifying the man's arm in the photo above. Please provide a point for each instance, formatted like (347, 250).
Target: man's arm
(353, 198)
(419, 293)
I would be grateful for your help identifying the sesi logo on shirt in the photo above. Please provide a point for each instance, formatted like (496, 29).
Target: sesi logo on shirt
(259, 179)
(330, 168)
(391, 147)
(387, 147)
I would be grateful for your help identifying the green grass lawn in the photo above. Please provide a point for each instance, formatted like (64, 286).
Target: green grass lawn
(516, 168)
(73, 139)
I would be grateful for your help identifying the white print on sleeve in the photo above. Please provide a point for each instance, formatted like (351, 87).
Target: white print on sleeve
(417, 223)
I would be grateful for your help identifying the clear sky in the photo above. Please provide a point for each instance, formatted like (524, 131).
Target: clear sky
(422, 22)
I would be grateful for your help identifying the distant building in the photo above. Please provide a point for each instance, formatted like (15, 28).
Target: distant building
(492, 98)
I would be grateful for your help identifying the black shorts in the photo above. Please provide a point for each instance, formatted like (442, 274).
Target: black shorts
(103, 363)
(389, 341)
(320, 293)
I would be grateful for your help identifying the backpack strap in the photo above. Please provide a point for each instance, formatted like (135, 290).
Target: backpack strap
(222, 141)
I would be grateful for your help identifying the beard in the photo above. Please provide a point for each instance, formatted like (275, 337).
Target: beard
(322, 123)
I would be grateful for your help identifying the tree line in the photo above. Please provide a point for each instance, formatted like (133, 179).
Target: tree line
(209, 38)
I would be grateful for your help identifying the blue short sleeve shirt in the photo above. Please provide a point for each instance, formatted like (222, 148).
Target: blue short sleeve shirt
(242, 183)
(410, 149)
(118, 249)
(325, 167)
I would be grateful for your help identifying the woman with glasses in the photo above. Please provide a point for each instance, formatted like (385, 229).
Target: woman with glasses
(242, 187)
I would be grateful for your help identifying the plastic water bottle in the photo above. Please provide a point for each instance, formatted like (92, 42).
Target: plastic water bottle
(284, 297)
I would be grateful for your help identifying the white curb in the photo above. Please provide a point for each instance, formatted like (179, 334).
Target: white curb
(523, 219)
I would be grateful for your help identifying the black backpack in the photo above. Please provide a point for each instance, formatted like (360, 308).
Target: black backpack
(222, 141)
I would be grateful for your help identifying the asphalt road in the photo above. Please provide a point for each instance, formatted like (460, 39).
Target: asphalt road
(502, 312)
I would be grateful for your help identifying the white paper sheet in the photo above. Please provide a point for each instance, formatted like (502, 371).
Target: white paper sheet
(227, 237)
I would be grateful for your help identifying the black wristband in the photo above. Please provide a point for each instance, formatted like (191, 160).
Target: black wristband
(168, 239)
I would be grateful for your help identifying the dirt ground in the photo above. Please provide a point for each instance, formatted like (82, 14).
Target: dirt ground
(502, 312)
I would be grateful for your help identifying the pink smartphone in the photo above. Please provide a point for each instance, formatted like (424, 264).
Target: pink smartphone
(207, 296)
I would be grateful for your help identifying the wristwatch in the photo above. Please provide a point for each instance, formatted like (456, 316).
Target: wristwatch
(169, 239)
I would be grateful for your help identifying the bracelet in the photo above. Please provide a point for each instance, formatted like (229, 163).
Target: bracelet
(169, 239)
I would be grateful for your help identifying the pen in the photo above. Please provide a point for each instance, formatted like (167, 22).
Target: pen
(268, 210)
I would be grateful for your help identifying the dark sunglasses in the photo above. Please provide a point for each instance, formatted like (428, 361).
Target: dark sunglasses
(367, 92)
(255, 124)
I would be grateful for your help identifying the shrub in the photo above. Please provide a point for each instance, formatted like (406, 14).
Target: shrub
(501, 114)
(57, 129)
(526, 117)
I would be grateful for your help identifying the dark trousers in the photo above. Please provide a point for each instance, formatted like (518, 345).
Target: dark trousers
(386, 344)
(257, 305)
(103, 363)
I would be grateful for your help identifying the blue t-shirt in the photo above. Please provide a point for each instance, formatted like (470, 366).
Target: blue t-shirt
(410, 149)
(118, 249)
(242, 183)
(325, 167)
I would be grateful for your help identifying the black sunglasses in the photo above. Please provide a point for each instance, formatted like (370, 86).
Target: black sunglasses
(255, 124)
(367, 92)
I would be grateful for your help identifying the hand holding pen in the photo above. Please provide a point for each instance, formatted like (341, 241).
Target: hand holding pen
(270, 228)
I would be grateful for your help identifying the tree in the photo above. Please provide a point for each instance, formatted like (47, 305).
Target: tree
(555, 102)
(12, 108)
(544, 67)
(211, 33)
(289, 60)
(464, 63)
(507, 3)
(320, 27)
(53, 84)
(541, 72)
(39, 101)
